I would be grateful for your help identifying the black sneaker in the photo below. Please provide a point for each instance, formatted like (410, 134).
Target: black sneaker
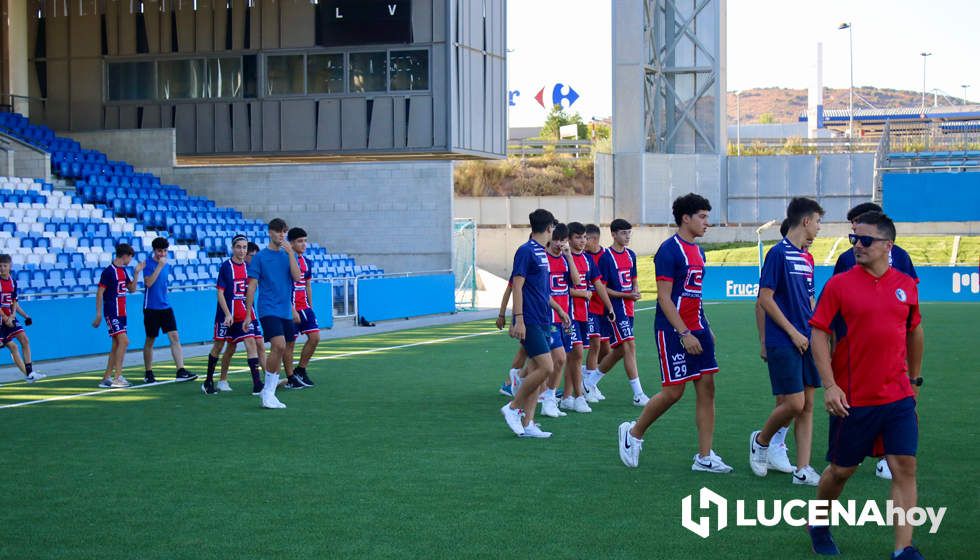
(257, 389)
(184, 375)
(208, 388)
(149, 378)
(304, 378)
(293, 382)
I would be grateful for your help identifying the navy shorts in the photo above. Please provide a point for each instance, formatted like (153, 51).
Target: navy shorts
(7, 334)
(580, 334)
(537, 340)
(790, 371)
(307, 321)
(236, 333)
(595, 326)
(115, 325)
(676, 365)
(558, 338)
(256, 329)
(894, 425)
(618, 332)
(277, 326)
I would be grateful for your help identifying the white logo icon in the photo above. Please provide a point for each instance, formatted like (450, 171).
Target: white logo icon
(702, 527)
(900, 294)
(965, 281)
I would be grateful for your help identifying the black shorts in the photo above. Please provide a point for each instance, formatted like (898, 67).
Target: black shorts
(156, 320)
(277, 326)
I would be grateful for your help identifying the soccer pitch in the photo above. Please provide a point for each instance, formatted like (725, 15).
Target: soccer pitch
(400, 451)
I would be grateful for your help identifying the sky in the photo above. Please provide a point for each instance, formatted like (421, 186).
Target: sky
(770, 44)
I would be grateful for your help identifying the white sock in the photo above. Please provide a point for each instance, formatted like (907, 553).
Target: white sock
(515, 372)
(595, 376)
(271, 381)
(779, 437)
(637, 388)
(585, 369)
(549, 394)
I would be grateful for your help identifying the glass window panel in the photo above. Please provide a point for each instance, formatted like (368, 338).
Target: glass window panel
(250, 75)
(368, 72)
(284, 75)
(128, 81)
(225, 77)
(182, 79)
(409, 70)
(325, 73)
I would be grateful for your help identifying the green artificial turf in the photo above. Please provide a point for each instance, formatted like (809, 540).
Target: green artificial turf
(403, 453)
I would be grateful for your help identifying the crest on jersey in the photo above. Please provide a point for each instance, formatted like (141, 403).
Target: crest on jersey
(900, 294)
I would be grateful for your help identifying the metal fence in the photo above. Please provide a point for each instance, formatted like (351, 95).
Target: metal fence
(464, 262)
(529, 147)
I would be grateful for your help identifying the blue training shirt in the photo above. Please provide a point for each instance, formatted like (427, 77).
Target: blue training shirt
(271, 269)
(531, 262)
(786, 271)
(156, 295)
(898, 258)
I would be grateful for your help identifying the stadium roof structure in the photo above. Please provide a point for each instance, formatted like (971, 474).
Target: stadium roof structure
(960, 118)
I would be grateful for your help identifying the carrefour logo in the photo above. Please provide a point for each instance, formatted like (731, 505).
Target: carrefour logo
(966, 281)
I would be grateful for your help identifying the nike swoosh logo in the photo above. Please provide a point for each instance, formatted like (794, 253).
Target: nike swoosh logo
(798, 477)
(879, 469)
(626, 440)
(706, 465)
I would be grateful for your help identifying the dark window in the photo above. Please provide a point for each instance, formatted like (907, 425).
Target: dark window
(368, 72)
(409, 70)
(182, 79)
(225, 77)
(284, 75)
(250, 75)
(129, 81)
(325, 73)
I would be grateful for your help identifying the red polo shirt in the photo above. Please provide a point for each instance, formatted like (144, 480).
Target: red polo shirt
(872, 317)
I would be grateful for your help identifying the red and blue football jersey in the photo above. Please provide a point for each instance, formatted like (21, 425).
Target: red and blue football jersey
(596, 307)
(618, 270)
(232, 283)
(559, 279)
(682, 263)
(8, 295)
(586, 278)
(300, 301)
(116, 281)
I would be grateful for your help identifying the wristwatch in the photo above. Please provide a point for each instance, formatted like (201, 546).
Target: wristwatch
(917, 381)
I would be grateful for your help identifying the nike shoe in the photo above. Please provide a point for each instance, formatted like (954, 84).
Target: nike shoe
(149, 378)
(533, 430)
(598, 393)
(184, 375)
(549, 407)
(910, 553)
(303, 376)
(293, 382)
(120, 382)
(882, 470)
(506, 390)
(590, 393)
(269, 400)
(34, 376)
(640, 400)
(223, 386)
(580, 405)
(821, 541)
(806, 476)
(566, 403)
(712, 464)
(105, 383)
(758, 460)
(629, 446)
(208, 388)
(513, 418)
(778, 460)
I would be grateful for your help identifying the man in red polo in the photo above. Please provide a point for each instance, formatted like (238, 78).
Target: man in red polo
(871, 382)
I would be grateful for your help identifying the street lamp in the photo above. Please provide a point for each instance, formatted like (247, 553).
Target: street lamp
(964, 86)
(924, 55)
(738, 125)
(850, 95)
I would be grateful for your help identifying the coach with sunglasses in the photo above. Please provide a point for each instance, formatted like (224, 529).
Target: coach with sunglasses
(872, 380)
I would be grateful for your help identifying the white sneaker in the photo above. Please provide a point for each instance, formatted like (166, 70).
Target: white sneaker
(598, 393)
(581, 405)
(590, 393)
(35, 376)
(513, 418)
(882, 470)
(712, 464)
(640, 400)
(223, 386)
(629, 446)
(549, 407)
(269, 400)
(567, 403)
(533, 430)
(757, 456)
(778, 460)
(807, 476)
(120, 382)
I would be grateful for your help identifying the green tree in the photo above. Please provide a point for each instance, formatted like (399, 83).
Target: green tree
(766, 118)
(558, 118)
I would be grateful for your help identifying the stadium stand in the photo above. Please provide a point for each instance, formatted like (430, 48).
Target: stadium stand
(967, 160)
(61, 238)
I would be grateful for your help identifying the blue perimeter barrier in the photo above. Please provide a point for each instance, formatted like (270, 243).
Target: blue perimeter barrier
(925, 197)
(379, 299)
(63, 327)
(936, 283)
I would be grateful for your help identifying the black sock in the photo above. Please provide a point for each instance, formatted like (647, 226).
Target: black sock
(301, 371)
(29, 367)
(149, 372)
(253, 366)
(212, 363)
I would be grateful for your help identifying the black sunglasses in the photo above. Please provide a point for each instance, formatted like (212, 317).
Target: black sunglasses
(866, 240)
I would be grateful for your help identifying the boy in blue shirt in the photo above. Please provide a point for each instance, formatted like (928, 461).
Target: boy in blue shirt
(157, 313)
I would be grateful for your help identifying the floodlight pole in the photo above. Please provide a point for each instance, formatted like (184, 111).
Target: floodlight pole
(964, 86)
(924, 55)
(850, 93)
(738, 125)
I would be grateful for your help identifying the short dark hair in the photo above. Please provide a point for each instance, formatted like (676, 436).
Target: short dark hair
(592, 229)
(124, 249)
(160, 243)
(619, 224)
(5, 258)
(560, 233)
(253, 247)
(861, 209)
(576, 228)
(784, 227)
(239, 237)
(801, 207)
(540, 219)
(689, 205)
(296, 233)
(884, 224)
(278, 224)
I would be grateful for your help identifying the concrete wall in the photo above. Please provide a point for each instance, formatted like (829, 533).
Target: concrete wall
(24, 160)
(147, 149)
(513, 211)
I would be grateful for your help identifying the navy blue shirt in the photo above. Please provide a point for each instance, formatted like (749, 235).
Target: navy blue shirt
(898, 258)
(786, 271)
(156, 295)
(271, 269)
(531, 262)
